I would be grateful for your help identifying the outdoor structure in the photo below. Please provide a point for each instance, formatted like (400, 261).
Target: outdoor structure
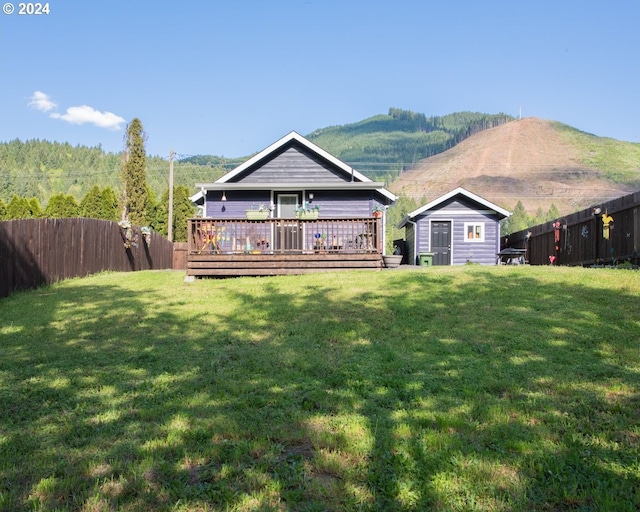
(456, 228)
(290, 209)
(606, 234)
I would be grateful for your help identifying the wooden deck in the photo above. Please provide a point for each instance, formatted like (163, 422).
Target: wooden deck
(239, 247)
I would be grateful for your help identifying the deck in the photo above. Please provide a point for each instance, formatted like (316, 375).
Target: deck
(240, 247)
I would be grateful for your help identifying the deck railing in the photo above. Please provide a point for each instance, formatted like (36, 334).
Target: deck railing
(285, 236)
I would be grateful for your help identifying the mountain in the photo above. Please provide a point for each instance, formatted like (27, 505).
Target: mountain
(535, 161)
(387, 144)
(495, 156)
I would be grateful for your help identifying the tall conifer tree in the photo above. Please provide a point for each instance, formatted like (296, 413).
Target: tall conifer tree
(134, 174)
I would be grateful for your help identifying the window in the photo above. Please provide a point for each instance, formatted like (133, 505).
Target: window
(474, 232)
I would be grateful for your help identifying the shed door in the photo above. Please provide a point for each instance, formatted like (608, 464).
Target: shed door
(441, 242)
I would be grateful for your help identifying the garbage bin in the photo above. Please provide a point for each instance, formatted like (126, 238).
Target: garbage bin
(425, 259)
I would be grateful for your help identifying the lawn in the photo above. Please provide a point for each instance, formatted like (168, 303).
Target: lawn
(453, 389)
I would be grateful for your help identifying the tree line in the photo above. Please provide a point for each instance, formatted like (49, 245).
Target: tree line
(103, 203)
(136, 202)
(42, 169)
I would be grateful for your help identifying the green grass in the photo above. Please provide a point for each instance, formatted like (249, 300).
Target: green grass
(457, 389)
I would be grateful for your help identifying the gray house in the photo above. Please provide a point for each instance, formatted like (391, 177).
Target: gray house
(292, 173)
(454, 229)
(291, 208)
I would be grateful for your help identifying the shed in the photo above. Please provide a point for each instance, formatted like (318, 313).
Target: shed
(456, 228)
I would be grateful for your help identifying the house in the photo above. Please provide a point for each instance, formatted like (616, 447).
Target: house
(291, 208)
(456, 228)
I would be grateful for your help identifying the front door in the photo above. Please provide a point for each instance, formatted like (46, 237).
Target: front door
(288, 235)
(441, 242)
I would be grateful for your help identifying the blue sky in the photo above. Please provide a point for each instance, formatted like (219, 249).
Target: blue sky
(230, 77)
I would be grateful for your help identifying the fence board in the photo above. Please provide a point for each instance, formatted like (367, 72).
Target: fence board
(34, 252)
(580, 239)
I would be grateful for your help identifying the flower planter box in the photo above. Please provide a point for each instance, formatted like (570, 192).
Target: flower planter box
(312, 215)
(257, 214)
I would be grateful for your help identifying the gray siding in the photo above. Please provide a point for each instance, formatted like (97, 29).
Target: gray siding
(462, 250)
(343, 204)
(238, 201)
(333, 203)
(294, 164)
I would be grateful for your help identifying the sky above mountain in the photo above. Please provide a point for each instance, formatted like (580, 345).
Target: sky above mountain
(230, 78)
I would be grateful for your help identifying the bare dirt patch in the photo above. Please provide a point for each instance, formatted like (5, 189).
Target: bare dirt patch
(525, 160)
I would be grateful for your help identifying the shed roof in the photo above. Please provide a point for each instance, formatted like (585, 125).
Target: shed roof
(501, 212)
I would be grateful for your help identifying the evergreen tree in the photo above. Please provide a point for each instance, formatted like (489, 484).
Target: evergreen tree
(134, 174)
(553, 213)
(35, 208)
(18, 208)
(3, 210)
(395, 214)
(91, 204)
(159, 219)
(151, 205)
(109, 204)
(62, 206)
(183, 209)
(518, 221)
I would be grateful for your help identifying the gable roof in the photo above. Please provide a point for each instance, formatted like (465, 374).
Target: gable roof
(294, 136)
(444, 198)
(353, 178)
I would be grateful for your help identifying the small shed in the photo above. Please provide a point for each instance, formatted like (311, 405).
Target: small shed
(456, 228)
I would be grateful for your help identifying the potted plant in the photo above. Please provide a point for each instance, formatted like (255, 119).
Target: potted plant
(377, 211)
(259, 213)
(393, 260)
(307, 212)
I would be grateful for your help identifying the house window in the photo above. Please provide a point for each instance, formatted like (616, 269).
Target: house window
(474, 231)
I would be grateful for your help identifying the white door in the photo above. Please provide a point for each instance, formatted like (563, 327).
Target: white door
(286, 205)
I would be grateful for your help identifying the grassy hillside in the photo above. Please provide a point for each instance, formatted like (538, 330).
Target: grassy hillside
(617, 160)
(443, 389)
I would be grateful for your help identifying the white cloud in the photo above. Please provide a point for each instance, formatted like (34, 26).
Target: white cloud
(41, 101)
(76, 115)
(86, 114)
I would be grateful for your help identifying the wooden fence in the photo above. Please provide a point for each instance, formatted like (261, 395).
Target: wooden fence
(34, 252)
(605, 234)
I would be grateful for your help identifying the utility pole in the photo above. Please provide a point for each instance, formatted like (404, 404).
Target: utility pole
(170, 224)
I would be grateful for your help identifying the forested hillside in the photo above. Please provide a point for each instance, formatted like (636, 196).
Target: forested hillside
(41, 169)
(383, 145)
(380, 147)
